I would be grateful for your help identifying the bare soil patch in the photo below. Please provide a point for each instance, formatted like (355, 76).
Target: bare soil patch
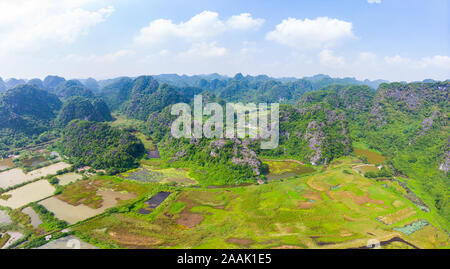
(305, 205)
(240, 241)
(189, 220)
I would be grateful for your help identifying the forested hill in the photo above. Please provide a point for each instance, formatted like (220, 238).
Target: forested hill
(26, 112)
(27, 109)
(82, 108)
(100, 146)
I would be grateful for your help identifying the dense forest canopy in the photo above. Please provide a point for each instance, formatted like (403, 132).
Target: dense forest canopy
(100, 146)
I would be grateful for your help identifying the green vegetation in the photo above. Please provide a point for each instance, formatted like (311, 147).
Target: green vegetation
(26, 115)
(280, 214)
(84, 109)
(100, 146)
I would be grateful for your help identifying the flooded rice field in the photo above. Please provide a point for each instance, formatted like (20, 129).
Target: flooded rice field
(29, 193)
(6, 164)
(73, 214)
(4, 218)
(16, 176)
(35, 220)
(14, 236)
(412, 227)
(68, 242)
(34, 161)
(68, 178)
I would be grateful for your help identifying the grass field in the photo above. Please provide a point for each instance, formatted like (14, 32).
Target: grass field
(279, 169)
(330, 209)
(153, 174)
(372, 156)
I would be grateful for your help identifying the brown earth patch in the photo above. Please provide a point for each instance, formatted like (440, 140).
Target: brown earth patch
(313, 196)
(287, 247)
(305, 205)
(348, 218)
(316, 186)
(344, 233)
(359, 200)
(134, 240)
(189, 220)
(240, 241)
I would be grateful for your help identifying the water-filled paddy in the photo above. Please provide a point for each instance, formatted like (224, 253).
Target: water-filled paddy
(68, 242)
(35, 219)
(29, 193)
(16, 176)
(68, 178)
(14, 236)
(34, 161)
(73, 214)
(4, 218)
(154, 202)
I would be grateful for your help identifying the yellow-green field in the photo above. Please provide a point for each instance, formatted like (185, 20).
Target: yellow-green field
(372, 156)
(336, 208)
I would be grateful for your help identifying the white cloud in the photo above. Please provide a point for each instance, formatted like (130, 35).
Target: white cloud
(319, 33)
(244, 21)
(374, 1)
(202, 26)
(328, 58)
(28, 23)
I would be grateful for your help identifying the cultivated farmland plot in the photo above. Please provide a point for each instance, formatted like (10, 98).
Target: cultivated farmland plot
(16, 176)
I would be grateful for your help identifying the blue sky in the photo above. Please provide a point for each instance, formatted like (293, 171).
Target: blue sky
(387, 39)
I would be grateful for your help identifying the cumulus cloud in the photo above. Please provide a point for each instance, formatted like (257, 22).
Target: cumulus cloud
(319, 33)
(374, 1)
(244, 21)
(202, 26)
(27, 23)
